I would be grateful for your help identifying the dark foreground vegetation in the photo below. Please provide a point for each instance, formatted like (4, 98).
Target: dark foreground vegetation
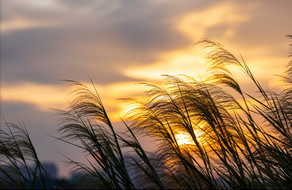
(238, 139)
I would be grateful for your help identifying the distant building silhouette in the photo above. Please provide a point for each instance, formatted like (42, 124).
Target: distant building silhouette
(52, 169)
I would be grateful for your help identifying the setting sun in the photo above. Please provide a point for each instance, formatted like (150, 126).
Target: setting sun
(145, 94)
(184, 139)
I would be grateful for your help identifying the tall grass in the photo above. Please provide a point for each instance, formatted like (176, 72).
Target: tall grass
(239, 140)
(16, 154)
(236, 139)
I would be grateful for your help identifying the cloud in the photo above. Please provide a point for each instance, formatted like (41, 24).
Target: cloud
(47, 97)
(43, 97)
(270, 21)
(51, 40)
(197, 24)
(81, 43)
(118, 43)
(21, 15)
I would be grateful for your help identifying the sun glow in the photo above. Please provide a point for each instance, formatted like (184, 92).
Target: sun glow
(184, 139)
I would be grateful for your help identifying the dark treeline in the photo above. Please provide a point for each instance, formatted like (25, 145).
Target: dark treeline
(238, 139)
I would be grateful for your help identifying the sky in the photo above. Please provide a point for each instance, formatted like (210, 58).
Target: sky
(120, 44)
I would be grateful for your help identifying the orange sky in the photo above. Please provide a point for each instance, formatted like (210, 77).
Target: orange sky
(122, 43)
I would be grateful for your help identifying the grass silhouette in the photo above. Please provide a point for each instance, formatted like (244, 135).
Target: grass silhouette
(16, 152)
(235, 139)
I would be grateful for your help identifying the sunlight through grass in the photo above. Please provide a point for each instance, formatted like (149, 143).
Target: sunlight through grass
(208, 137)
(184, 139)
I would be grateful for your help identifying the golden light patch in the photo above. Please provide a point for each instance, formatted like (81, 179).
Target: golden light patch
(195, 25)
(184, 139)
(46, 97)
(20, 24)
(184, 61)
(189, 60)
(43, 96)
(113, 98)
